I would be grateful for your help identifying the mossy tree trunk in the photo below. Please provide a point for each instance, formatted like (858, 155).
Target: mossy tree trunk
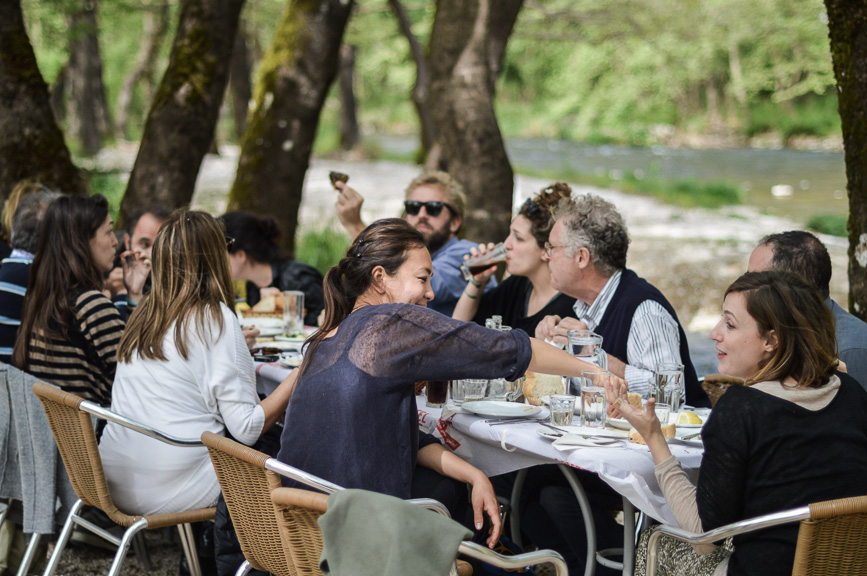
(239, 81)
(468, 136)
(31, 143)
(847, 21)
(88, 115)
(180, 124)
(293, 81)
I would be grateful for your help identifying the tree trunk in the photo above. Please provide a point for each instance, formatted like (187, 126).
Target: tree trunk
(421, 89)
(471, 145)
(180, 125)
(293, 82)
(88, 112)
(847, 21)
(57, 94)
(239, 81)
(502, 22)
(154, 26)
(349, 132)
(31, 144)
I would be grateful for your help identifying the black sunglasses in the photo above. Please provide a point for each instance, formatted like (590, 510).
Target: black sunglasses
(433, 208)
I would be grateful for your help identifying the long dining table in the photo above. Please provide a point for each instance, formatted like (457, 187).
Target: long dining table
(497, 448)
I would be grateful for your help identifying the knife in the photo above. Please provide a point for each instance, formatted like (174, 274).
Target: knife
(606, 436)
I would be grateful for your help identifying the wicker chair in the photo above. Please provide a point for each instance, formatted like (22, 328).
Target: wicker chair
(715, 385)
(70, 419)
(832, 539)
(298, 512)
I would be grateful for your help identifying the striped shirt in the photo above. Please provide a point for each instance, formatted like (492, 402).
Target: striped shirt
(653, 335)
(84, 363)
(14, 274)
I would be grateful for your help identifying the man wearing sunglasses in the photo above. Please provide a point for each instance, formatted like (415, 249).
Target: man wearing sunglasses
(434, 206)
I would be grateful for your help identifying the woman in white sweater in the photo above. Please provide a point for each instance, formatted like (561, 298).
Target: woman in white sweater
(183, 367)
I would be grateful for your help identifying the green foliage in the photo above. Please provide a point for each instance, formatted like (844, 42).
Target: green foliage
(831, 224)
(816, 116)
(322, 248)
(112, 185)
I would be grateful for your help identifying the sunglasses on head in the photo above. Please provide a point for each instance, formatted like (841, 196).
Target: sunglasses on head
(433, 208)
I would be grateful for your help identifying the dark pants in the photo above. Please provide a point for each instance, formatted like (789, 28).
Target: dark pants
(551, 517)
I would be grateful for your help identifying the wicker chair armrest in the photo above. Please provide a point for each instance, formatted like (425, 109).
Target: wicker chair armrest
(721, 533)
(95, 409)
(479, 552)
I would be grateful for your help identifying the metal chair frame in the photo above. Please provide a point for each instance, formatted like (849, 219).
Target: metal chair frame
(48, 393)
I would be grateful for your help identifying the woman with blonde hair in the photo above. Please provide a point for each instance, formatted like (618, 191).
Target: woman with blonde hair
(794, 435)
(183, 367)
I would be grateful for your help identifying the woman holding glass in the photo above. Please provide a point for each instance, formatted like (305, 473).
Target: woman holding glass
(353, 417)
(526, 296)
(794, 435)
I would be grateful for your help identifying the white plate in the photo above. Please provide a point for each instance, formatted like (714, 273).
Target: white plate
(265, 332)
(279, 345)
(499, 408)
(290, 359)
(292, 339)
(689, 426)
(261, 323)
(619, 423)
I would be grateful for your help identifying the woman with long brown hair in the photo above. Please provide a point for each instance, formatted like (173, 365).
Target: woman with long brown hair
(794, 435)
(69, 330)
(353, 417)
(183, 367)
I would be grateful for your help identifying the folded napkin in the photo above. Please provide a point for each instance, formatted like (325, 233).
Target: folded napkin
(573, 441)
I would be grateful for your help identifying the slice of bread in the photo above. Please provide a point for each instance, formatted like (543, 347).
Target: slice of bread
(668, 431)
(635, 400)
(267, 304)
(537, 385)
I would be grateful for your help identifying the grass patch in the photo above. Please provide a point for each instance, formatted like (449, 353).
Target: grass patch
(112, 185)
(831, 224)
(690, 193)
(323, 248)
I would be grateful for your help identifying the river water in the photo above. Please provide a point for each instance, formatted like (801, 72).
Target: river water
(817, 178)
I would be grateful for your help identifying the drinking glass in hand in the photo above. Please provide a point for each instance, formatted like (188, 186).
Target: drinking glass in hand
(594, 402)
(562, 409)
(482, 262)
(437, 392)
(668, 384)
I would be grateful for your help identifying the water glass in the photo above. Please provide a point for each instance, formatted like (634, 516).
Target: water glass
(502, 389)
(668, 386)
(585, 345)
(457, 391)
(662, 411)
(437, 392)
(562, 409)
(594, 402)
(474, 390)
(293, 310)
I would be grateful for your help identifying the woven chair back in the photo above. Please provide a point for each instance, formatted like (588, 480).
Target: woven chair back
(834, 540)
(246, 486)
(715, 386)
(298, 513)
(73, 431)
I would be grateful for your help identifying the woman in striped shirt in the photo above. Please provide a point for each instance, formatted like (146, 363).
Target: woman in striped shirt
(69, 330)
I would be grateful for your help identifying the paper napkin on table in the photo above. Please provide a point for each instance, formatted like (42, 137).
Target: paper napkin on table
(572, 441)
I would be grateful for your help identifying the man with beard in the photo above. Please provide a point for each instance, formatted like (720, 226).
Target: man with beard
(434, 205)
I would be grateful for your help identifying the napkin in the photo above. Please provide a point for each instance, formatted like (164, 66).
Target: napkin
(573, 441)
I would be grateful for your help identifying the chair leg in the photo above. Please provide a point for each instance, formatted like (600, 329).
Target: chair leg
(188, 543)
(63, 539)
(140, 547)
(243, 569)
(515, 506)
(124, 545)
(29, 553)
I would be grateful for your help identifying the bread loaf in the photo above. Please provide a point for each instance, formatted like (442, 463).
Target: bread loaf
(668, 431)
(267, 304)
(538, 385)
(635, 400)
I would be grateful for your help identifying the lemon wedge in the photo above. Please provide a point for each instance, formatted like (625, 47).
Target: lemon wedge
(687, 417)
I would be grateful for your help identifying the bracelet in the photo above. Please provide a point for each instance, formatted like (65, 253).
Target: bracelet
(470, 295)
(474, 283)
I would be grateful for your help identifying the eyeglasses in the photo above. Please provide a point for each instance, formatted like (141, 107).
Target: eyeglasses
(433, 208)
(550, 248)
(230, 242)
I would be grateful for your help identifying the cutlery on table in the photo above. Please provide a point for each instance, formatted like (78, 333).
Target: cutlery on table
(498, 421)
(564, 432)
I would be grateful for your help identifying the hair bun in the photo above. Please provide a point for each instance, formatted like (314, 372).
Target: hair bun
(551, 195)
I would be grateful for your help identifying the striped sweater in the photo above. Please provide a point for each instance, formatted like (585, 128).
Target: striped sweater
(14, 274)
(85, 362)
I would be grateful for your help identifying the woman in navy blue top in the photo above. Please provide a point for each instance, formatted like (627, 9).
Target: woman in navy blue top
(353, 418)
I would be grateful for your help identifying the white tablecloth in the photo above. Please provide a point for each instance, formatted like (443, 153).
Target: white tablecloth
(629, 470)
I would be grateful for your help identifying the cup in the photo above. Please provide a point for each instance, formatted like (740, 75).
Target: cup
(436, 392)
(594, 402)
(502, 389)
(476, 264)
(293, 310)
(457, 391)
(562, 408)
(662, 412)
(474, 390)
(585, 345)
(668, 386)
